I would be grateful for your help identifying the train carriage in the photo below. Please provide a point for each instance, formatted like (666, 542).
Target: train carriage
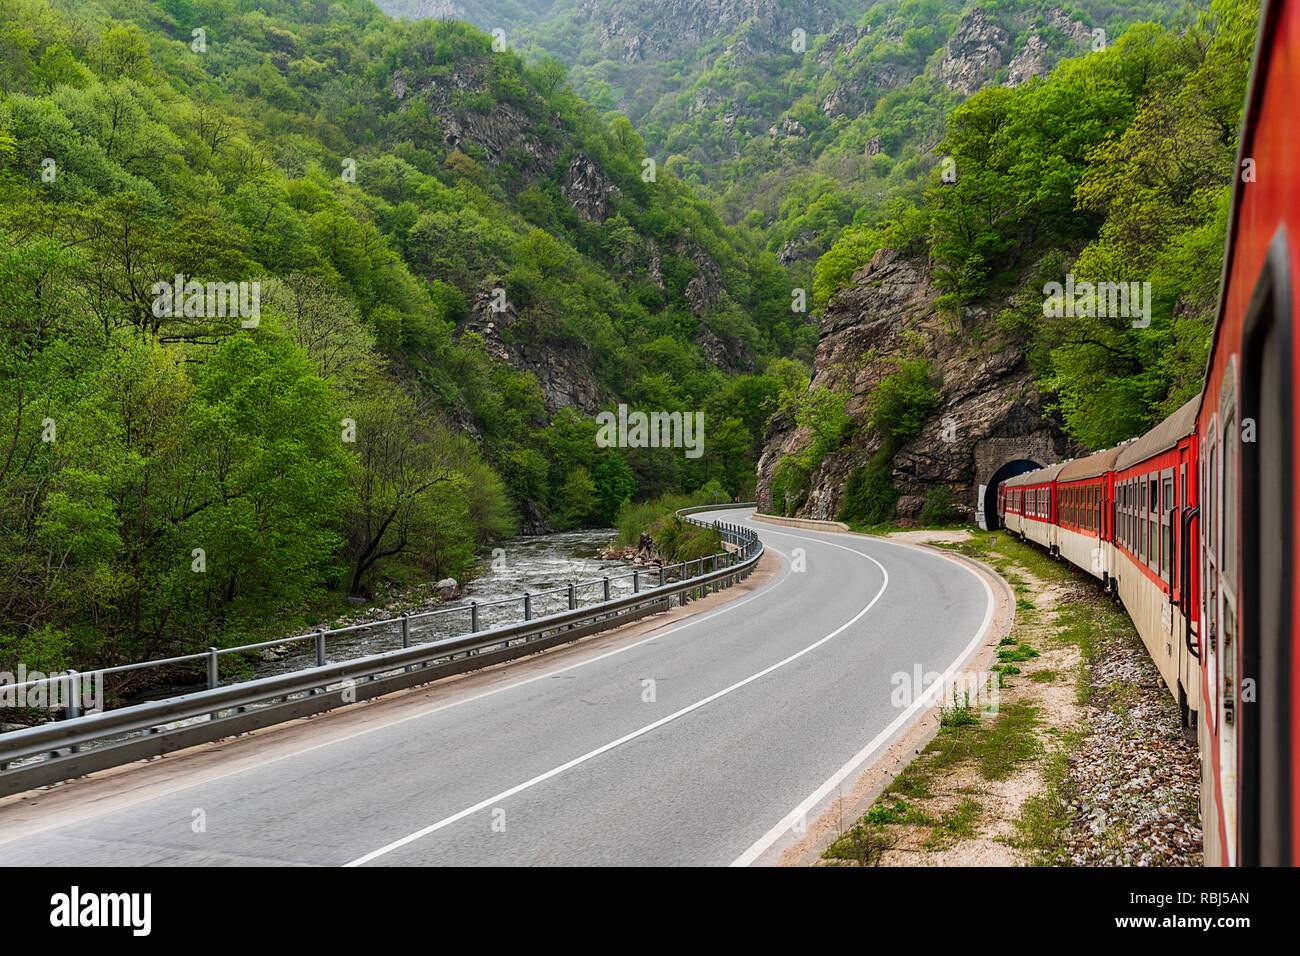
(1084, 525)
(1154, 491)
(1036, 491)
(1011, 504)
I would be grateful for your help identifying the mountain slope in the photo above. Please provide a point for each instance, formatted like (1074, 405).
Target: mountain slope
(174, 478)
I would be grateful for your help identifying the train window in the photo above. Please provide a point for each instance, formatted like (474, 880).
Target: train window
(1121, 497)
(1166, 517)
(1132, 518)
(1132, 510)
(1153, 522)
(1122, 531)
(1227, 566)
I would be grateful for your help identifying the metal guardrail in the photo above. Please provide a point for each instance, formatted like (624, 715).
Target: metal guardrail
(55, 751)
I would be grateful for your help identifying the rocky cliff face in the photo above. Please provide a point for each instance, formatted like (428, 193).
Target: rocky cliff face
(507, 129)
(991, 411)
(563, 370)
(980, 47)
(1035, 55)
(974, 54)
(588, 189)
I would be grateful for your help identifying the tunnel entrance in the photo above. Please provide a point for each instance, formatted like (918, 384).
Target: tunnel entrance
(989, 493)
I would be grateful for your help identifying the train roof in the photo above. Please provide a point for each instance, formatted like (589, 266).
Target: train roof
(1094, 465)
(1035, 477)
(1161, 438)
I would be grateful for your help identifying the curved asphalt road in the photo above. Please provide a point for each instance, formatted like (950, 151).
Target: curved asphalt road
(758, 706)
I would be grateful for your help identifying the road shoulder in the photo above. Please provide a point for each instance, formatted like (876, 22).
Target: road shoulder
(1081, 761)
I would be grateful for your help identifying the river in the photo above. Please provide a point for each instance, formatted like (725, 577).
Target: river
(533, 564)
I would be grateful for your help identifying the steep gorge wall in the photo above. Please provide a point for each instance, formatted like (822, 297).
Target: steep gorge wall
(990, 413)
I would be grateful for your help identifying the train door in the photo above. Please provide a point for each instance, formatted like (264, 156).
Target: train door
(1267, 562)
(1168, 532)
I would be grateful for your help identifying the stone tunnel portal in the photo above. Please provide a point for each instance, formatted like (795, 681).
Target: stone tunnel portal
(989, 493)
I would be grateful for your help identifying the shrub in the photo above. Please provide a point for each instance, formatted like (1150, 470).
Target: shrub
(870, 494)
(939, 507)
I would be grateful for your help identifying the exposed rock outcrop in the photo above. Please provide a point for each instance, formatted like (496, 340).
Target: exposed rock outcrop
(1035, 56)
(588, 189)
(990, 412)
(562, 369)
(704, 291)
(787, 128)
(974, 54)
(802, 246)
(728, 354)
(507, 129)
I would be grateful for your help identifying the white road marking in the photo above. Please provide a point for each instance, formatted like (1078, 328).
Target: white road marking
(605, 748)
(800, 812)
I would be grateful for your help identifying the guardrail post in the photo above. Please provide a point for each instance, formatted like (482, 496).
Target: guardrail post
(606, 581)
(74, 700)
(214, 675)
(473, 617)
(528, 606)
(320, 648)
(636, 582)
(573, 598)
(406, 635)
(660, 566)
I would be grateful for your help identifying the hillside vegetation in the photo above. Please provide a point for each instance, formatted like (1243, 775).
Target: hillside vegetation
(170, 481)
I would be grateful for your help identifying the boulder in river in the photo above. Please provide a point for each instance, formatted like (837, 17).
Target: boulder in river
(446, 588)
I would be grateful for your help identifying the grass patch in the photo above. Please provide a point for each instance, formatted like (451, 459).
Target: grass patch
(1045, 820)
(1021, 653)
(863, 845)
(959, 714)
(956, 824)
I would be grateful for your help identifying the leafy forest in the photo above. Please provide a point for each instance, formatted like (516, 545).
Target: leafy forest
(165, 479)
(466, 249)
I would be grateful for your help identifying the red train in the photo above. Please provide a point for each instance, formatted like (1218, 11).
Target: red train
(1194, 524)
